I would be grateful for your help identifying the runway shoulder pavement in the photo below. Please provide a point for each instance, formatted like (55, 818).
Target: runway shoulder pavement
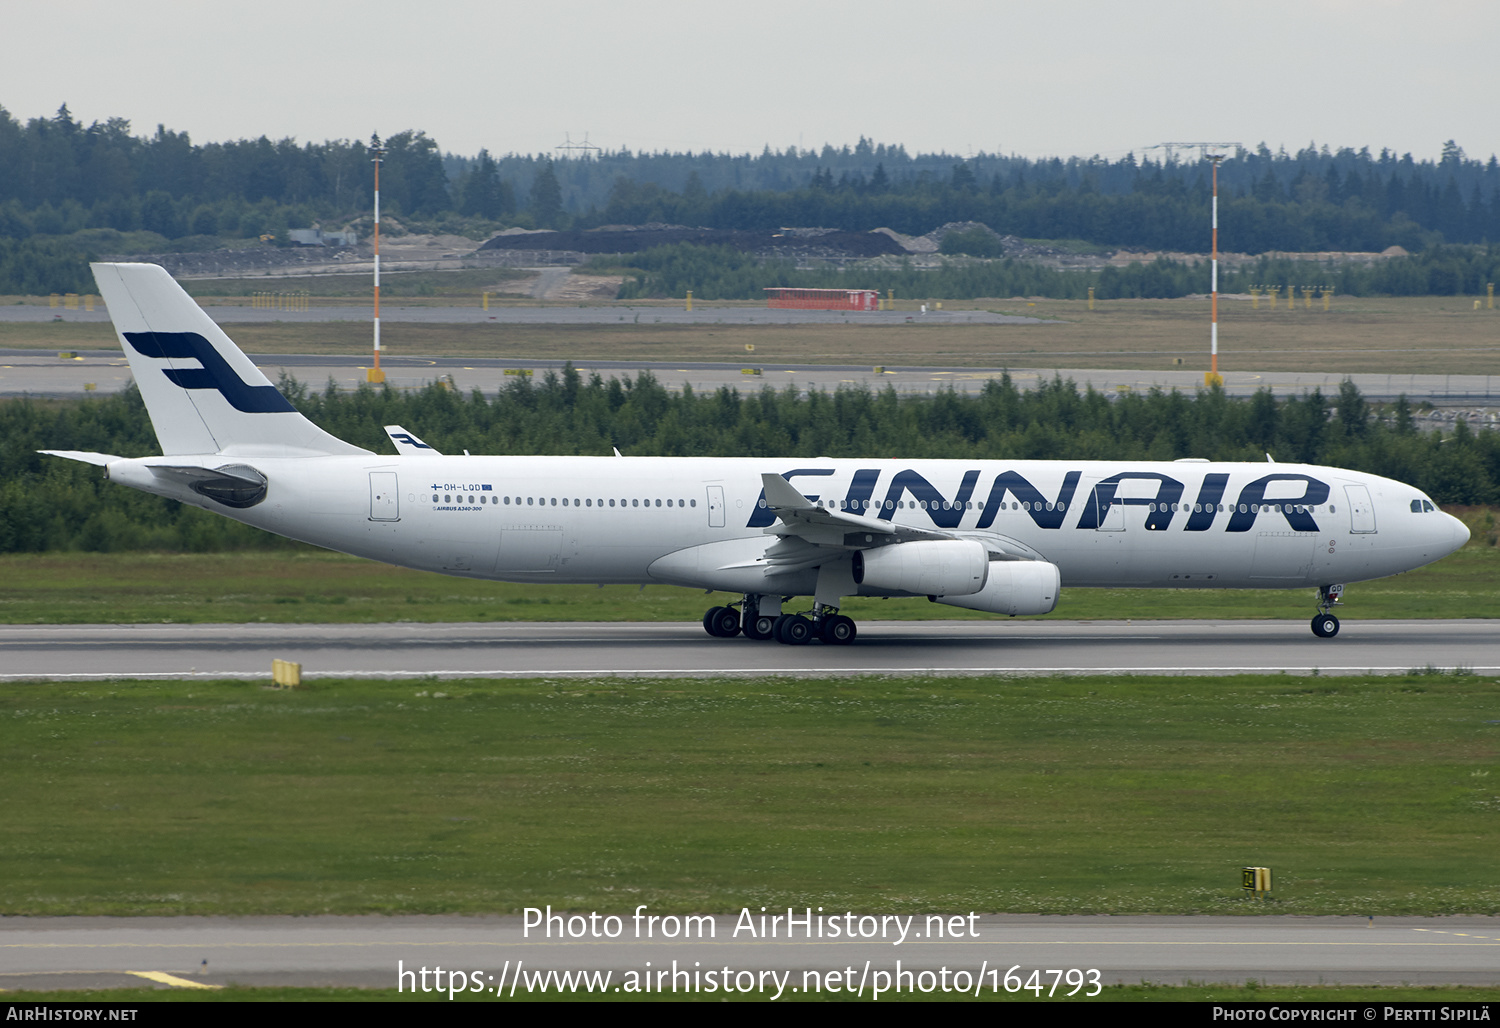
(376, 952)
(590, 649)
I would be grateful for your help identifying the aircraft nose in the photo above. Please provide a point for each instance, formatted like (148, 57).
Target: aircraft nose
(1458, 533)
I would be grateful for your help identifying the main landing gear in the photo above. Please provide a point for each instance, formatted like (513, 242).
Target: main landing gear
(832, 628)
(722, 622)
(1325, 625)
(826, 624)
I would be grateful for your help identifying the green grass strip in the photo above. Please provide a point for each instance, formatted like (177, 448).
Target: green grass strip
(1125, 795)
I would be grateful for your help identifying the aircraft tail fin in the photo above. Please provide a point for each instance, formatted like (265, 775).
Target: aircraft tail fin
(202, 393)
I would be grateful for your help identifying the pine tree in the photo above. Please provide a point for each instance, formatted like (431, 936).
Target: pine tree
(546, 198)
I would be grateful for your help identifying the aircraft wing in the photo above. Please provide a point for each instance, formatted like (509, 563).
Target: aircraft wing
(801, 518)
(808, 531)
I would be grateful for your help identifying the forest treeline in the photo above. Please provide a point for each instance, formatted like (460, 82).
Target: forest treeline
(47, 503)
(100, 187)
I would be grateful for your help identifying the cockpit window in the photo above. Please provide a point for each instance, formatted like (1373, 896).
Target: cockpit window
(1416, 506)
(1427, 505)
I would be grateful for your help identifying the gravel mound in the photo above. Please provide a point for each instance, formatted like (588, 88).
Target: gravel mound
(788, 243)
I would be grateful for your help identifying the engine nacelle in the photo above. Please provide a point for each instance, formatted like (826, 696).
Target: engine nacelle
(1012, 587)
(952, 567)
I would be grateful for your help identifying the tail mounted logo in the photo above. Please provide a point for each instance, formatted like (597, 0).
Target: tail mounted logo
(215, 373)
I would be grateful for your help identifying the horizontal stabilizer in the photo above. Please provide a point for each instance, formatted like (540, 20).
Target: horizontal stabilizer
(87, 456)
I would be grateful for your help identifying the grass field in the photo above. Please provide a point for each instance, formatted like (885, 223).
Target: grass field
(308, 585)
(1394, 336)
(1081, 795)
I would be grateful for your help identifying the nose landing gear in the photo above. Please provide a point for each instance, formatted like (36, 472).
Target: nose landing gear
(1325, 625)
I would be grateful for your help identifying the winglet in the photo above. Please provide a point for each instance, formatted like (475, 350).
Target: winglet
(781, 496)
(407, 444)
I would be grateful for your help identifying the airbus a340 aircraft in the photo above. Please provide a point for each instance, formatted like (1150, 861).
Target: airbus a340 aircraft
(996, 536)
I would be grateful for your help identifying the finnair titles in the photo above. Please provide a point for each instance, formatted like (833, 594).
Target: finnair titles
(793, 538)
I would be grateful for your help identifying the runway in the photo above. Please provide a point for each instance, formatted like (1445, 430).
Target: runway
(43, 373)
(80, 952)
(539, 649)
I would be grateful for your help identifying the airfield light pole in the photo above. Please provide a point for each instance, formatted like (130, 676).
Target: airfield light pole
(375, 375)
(1213, 378)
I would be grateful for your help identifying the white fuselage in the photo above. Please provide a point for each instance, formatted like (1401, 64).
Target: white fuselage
(700, 522)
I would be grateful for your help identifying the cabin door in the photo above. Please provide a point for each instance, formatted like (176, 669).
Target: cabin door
(385, 503)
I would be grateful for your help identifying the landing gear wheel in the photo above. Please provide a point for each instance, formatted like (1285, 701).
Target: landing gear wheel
(710, 620)
(722, 622)
(793, 630)
(760, 627)
(1325, 626)
(839, 630)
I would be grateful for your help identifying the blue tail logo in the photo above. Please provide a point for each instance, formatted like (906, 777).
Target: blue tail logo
(215, 373)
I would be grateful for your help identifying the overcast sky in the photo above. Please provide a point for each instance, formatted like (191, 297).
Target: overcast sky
(1031, 78)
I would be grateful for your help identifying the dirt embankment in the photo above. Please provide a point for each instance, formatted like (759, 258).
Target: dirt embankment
(791, 244)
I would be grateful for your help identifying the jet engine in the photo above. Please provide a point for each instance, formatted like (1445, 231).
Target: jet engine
(950, 567)
(1011, 587)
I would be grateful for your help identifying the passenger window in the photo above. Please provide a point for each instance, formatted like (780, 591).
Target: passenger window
(530, 500)
(658, 503)
(611, 503)
(635, 503)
